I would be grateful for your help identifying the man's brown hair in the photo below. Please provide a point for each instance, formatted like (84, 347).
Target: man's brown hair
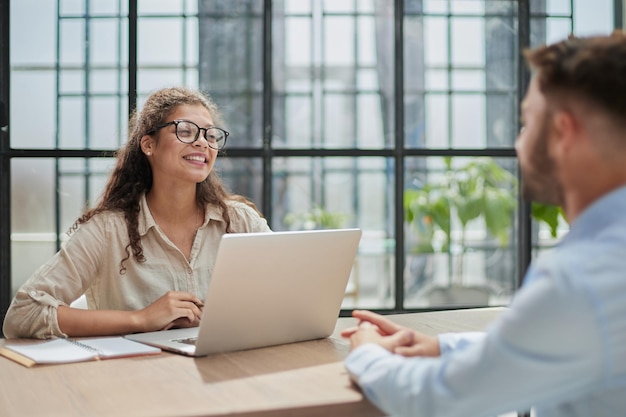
(592, 69)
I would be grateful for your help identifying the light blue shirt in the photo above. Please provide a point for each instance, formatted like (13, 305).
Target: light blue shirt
(560, 348)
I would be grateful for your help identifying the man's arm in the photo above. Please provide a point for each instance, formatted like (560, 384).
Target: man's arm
(531, 356)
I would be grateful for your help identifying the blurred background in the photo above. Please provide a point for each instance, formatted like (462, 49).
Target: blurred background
(398, 117)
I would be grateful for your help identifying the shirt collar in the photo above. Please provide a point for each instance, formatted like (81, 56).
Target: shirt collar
(605, 212)
(145, 221)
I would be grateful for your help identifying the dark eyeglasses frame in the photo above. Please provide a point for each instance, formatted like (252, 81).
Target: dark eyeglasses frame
(206, 129)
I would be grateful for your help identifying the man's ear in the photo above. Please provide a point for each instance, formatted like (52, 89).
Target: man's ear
(147, 144)
(566, 128)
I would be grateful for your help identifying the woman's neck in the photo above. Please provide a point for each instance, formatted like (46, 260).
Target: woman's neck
(173, 205)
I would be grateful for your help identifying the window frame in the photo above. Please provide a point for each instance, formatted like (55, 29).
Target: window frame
(266, 153)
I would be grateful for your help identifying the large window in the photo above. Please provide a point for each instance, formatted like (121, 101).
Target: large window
(368, 113)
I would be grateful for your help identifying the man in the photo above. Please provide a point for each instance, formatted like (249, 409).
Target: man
(561, 346)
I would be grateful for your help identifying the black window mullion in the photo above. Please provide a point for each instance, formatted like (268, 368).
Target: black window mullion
(267, 111)
(132, 55)
(524, 218)
(5, 162)
(57, 135)
(399, 153)
(618, 14)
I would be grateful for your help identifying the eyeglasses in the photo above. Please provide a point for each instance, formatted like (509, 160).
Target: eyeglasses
(189, 132)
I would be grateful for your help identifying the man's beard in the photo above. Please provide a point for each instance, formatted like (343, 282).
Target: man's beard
(540, 181)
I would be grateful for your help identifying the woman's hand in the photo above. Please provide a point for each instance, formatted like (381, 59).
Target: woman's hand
(374, 328)
(172, 309)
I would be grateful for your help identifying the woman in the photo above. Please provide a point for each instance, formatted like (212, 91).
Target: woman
(143, 257)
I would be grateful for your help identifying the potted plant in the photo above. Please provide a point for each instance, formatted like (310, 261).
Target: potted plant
(317, 218)
(479, 189)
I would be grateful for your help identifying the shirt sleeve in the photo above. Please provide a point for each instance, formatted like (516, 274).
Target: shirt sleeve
(533, 355)
(60, 281)
(448, 342)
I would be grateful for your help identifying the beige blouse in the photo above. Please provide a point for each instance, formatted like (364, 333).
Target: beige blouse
(89, 263)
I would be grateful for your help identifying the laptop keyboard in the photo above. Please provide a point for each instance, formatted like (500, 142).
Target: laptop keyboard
(186, 340)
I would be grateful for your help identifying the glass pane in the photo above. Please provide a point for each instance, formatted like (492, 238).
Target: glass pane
(159, 41)
(297, 6)
(461, 55)
(72, 42)
(299, 131)
(468, 80)
(297, 39)
(103, 7)
(231, 65)
(339, 132)
(468, 6)
(558, 6)
(468, 41)
(592, 18)
(104, 42)
(468, 121)
(34, 203)
(558, 29)
(32, 195)
(243, 114)
(106, 82)
(343, 66)
(71, 7)
(81, 182)
(72, 81)
(437, 121)
(242, 176)
(369, 123)
(159, 7)
(414, 121)
(191, 41)
(106, 129)
(339, 6)
(436, 43)
(461, 231)
(435, 6)
(149, 80)
(33, 32)
(72, 119)
(366, 40)
(311, 193)
(437, 80)
(32, 109)
(339, 34)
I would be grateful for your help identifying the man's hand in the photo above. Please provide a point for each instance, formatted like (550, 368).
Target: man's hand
(374, 328)
(366, 332)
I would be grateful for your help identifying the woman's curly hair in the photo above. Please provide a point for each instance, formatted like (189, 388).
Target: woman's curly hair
(132, 175)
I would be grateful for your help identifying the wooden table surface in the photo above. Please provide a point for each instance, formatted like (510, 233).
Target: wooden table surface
(300, 379)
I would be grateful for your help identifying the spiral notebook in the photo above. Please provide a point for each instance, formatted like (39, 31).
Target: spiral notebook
(57, 351)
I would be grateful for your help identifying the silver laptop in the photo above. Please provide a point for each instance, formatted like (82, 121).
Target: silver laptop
(268, 289)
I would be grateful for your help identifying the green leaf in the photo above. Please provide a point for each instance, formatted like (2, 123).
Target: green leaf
(547, 214)
(469, 208)
(499, 207)
(409, 197)
(441, 215)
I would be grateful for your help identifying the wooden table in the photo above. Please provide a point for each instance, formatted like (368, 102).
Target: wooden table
(301, 379)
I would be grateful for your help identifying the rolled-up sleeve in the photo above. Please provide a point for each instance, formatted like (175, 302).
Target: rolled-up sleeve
(60, 281)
